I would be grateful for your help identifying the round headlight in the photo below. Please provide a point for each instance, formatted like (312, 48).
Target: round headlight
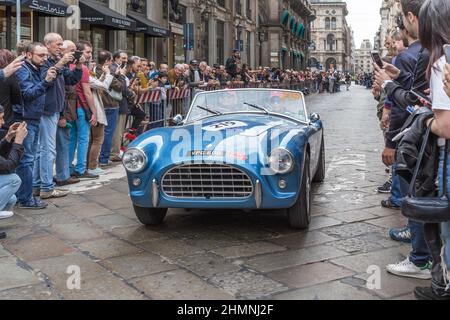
(281, 161)
(134, 160)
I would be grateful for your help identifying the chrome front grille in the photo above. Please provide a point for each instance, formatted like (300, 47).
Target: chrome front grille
(207, 181)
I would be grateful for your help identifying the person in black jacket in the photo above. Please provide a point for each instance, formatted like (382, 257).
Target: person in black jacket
(395, 84)
(11, 152)
(232, 63)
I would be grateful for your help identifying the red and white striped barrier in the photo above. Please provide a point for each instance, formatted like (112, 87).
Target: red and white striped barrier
(179, 94)
(150, 96)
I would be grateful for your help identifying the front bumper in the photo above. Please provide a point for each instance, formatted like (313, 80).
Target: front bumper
(266, 193)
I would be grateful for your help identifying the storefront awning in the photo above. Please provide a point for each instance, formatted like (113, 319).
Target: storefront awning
(149, 27)
(97, 14)
(284, 17)
(46, 7)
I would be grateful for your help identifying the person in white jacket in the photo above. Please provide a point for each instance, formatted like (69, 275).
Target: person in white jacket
(99, 86)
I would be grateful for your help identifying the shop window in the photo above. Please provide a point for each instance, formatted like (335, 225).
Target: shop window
(26, 32)
(130, 44)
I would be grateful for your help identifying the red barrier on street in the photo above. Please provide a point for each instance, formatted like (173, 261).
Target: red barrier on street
(150, 96)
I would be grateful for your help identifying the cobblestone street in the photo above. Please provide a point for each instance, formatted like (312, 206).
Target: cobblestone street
(220, 255)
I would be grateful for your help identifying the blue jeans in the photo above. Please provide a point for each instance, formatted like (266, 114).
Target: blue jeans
(62, 154)
(25, 168)
(399, 188)
(79, 141)
(43, 173)
(445, 227)
(420, 254)
(9, 184)
(111, 115)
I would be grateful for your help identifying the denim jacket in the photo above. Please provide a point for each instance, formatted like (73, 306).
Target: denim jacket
(56, 95)
(33, 88)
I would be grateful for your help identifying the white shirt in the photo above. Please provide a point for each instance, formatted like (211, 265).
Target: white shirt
(440, 99)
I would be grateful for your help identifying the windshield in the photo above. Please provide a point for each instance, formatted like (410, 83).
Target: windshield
(288, 103)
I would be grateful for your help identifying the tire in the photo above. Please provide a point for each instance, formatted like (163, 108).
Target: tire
(150, 216)
(321, 170)
(300, 214)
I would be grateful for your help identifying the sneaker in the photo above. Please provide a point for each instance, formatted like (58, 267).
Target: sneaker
(385, 188)
(87, 176)
(106, 165)
(54, 194)
(2, 235)
(408, 269)
(33, 204)
(96, 172)
(428, 293)
(401, 235)
(6, 214)
(36, 192)
(116, 159)
(70, 181)
(389, 205)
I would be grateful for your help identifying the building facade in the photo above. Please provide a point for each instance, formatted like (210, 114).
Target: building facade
(107, 24)
(208, 30)
(331, 36)
(363, 59)
(273, 33)
(284, 33)
(390, 11)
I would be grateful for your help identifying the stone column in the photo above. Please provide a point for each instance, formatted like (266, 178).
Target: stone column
(212, 39)
(190, 18)
(253, 48)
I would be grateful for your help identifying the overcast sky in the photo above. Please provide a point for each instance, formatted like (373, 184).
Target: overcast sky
(364, 18)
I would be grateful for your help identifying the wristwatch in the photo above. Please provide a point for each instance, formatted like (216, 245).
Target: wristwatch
(384, 85)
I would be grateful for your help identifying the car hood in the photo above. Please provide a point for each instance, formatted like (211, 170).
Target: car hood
(223, 138)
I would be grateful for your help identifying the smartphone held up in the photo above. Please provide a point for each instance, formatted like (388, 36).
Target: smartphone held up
(377, 59)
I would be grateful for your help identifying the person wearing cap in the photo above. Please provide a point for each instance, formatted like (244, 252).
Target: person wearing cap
(11, 152)
(232, 63)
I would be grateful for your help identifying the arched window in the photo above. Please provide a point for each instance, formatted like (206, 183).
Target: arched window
(331, 42)
(327, 23)
(333, 24)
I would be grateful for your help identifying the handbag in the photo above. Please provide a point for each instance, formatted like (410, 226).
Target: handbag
(428, 210)
(115, 95)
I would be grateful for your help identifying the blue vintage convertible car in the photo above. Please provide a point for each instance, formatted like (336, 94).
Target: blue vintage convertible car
(237, 149)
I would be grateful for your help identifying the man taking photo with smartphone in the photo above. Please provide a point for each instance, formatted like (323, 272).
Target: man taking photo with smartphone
(33, 87)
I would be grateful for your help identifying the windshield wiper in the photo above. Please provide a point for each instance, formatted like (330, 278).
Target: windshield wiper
(257, 107)
(217, 113)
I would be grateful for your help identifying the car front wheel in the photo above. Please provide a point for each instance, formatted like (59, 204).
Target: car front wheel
(300, 214)
(150, 216)
(321, 170)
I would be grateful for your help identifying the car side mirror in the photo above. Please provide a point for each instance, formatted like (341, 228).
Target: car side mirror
(314, 117)
(178, 120)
